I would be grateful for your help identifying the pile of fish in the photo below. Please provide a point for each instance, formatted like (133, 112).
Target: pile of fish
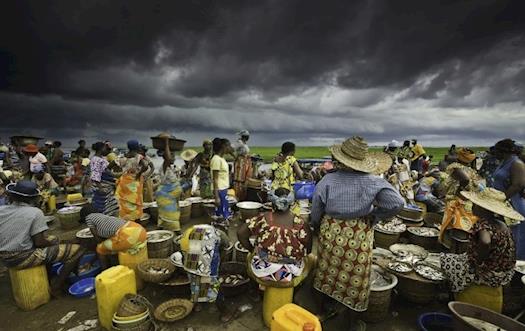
(428, 271)
(377, 279)
(394, 226)
(158, 236)
(158, 270)
(84, 267)
(520, 267)
(424, 231)
(400, 267)
(231, 279)
(84, 233)
(407, 250)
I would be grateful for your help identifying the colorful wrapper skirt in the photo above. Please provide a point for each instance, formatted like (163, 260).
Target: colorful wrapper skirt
(345, 261)
(130, 197)
(35, 257)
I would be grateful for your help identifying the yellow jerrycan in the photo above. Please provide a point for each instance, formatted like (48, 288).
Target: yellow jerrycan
(291, 317)
(111, 285)
(30, 287)
(132, 261)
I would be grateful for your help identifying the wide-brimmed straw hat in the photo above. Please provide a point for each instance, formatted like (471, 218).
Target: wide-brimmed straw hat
(188, 155)
(353, 153)
(494, 201)
(25, 188)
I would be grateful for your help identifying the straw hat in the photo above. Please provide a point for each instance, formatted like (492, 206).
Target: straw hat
(188, 155)
(494, 201)
(354, 154)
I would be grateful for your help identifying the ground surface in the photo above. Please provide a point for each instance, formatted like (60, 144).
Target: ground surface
(403, 314)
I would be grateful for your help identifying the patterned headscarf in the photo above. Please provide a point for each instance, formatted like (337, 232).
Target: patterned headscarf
(282, 203)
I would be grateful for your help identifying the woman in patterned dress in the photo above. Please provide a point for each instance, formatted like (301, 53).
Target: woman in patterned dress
(461, 176)
(131, 184)
(242, 170)
(283, 240)
(491, 255)
(202, 161)
(285, 169)
(346, 202)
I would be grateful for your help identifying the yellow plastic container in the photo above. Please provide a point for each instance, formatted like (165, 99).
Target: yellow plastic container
(74, 197)
(132, 261)
(291, 317)
(30, 287)
(52, 203)
(111, 285)
(275, 298)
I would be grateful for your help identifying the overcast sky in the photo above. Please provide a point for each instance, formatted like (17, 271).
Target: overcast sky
(307, 71)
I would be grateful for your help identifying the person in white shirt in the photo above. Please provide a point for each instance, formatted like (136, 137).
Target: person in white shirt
(221, 177)
(36, 159)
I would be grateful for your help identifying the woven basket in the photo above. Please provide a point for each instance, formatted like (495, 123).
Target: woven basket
(197, 210)
(410, 214)
(385, 240)
(423, 208)
(130, 306)
(233, 268)
(185, 212)
(157, 245)
(417, 291)
(173, 310)
(429, 243)
(145, 326)
(174, 144)
(227, 254)
(378, 306)
(162, 253)
(241, 254)
(433, 219)
(142, 270)
(69, 218)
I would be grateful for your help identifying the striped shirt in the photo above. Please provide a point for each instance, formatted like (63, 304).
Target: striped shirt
(19, 222)
(348, 195)
(103, 225)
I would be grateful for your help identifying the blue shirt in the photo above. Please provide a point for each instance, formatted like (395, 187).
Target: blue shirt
(348, 195)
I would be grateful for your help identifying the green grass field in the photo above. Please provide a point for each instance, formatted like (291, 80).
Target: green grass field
(313, 152)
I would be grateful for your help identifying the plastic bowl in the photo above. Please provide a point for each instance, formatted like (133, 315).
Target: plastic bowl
(95, 269)
(435, 321)
(56, 268)
(83, 288)
(304, 190)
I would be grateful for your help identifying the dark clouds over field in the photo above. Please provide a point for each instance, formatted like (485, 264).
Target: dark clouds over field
(311, 71)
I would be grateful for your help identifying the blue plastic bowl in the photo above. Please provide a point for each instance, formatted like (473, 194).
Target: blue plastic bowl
(435, 322)
(304, 190)
(95, 269)
(83, 288)
(56, 267)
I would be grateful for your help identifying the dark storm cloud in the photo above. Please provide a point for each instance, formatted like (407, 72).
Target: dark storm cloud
(306, 68)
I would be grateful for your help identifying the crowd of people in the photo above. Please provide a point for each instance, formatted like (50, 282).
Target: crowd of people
(480, 195)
